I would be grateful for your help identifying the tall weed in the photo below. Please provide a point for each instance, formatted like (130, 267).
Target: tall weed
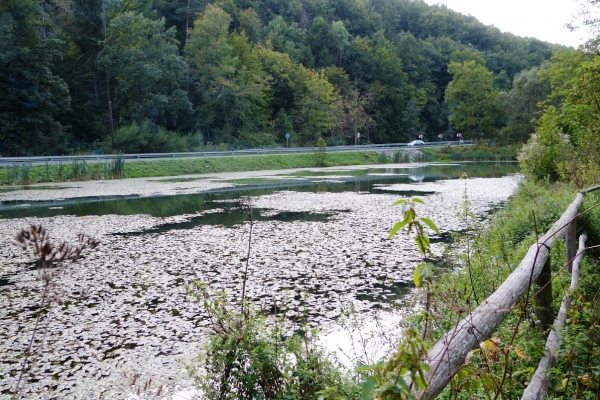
(248, 357)
(80, 170)
(117, 168)
(19, 173)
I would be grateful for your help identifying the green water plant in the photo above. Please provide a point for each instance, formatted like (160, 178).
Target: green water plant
(249, 357)
(117, 169)
(80, 170)
(390, 380)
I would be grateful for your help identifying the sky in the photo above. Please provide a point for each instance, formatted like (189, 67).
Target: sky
(542, 19)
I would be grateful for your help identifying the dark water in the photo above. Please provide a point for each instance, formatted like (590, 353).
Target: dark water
(234, 215)
(335, 181)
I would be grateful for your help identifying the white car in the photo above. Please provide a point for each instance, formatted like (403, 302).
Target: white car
(416, 143)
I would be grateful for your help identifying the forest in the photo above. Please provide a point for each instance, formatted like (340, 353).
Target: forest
(104, 76)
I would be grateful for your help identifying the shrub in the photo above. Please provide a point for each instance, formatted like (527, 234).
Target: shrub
(321, 154)
(541, 156)
(382, 158)
(149, 138)
(247, 357)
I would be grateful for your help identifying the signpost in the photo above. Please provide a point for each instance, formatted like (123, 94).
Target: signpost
(357, 140)
(440, 136)
(460, 137)
(287, 139)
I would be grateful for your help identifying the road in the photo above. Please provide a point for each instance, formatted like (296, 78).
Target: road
(100, 158)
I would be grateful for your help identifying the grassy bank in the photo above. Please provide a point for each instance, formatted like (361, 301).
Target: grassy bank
(478, 152)
(246, 163)
(25, 173)
(505, 363)
(78, 171)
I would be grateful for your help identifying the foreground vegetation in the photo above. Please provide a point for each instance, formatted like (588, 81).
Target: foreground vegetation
(248, 357)
(504, 364)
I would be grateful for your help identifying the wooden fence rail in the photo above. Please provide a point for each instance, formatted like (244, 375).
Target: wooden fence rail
(448, 355)
(538, 386)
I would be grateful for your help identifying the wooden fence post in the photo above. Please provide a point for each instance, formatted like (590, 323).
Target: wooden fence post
(538, 386)
(571, 242)
(544, 310)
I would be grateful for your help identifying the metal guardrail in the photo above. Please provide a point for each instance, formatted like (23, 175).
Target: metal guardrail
(93, 158)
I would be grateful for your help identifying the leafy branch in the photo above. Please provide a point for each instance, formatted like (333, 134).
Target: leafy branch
(416, 224)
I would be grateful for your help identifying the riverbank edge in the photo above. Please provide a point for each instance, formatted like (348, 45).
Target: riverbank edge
(484, 258)
(26, 174)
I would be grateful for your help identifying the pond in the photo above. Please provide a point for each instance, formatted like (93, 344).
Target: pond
(318, 248)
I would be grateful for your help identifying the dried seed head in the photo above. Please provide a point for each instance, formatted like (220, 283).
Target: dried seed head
(37, 238)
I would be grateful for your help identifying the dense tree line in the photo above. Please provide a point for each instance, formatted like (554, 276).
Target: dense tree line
(566, 142)
(105, 75)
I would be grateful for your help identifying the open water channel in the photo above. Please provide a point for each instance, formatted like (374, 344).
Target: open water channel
(318, 246)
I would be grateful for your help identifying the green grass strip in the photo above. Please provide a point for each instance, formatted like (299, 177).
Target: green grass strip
(80, 171)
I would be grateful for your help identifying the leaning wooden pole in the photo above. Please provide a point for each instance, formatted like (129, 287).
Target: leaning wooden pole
(538, 386)
(448, 354)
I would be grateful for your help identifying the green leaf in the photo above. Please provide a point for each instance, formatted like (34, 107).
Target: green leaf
(397, 227)
(367, 387)
(422, 243)
(431, 224)
(422, 272)
(401, 201)
(417, 278)
(417, 200)
(365, 368)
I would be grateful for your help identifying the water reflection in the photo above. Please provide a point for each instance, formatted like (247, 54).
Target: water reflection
(335, 180)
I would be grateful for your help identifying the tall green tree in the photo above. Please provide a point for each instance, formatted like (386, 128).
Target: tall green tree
(231, 84)
(340, 41)
(475, 106)
(524, 101)
(179, 14)
(314, 98)
(579, 118)
(251, 25)
(33, 96)
(319, 38)
(287, 38)
(143, 59)
(83, 33)
(377, 66)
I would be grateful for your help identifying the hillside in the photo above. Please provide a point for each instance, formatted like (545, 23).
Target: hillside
(143, 75)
